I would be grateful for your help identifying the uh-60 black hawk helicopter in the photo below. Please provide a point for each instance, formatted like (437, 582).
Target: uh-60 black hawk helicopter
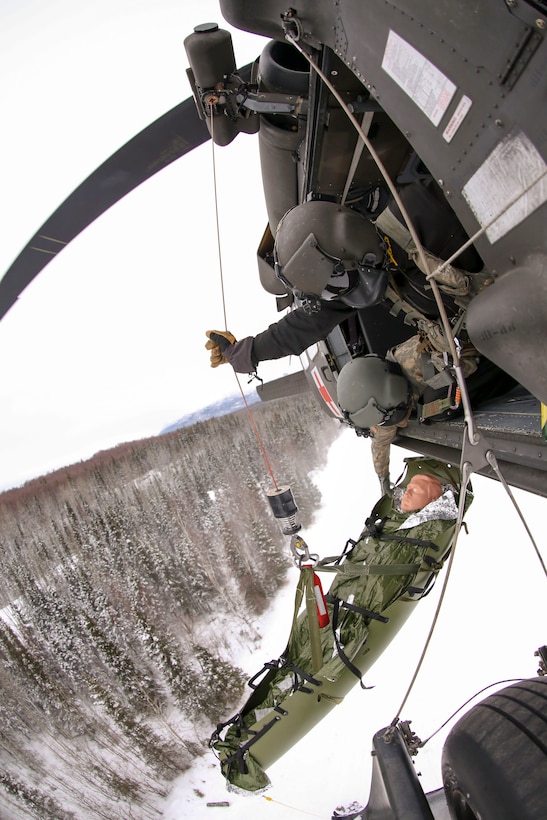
(353, 102)
(348, 97)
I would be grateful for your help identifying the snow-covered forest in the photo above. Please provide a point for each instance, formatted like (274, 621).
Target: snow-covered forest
(127, 582)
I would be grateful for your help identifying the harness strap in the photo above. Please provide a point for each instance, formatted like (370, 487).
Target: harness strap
(398, 305)
(375, 529)
(341, 654)
(261, 688)
(412, 316)
(439, 379)
(374, 616)
(432, 563)
(436, 407)
(306, 587)
(411, 592)
(350, 571)
(305, 677)
(236, 720)
(238, 757)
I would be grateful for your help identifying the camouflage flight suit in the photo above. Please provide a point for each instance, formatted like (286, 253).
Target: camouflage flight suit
(409, 356)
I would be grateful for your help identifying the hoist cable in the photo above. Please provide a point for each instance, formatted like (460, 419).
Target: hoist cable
(223, 298)
(217, 220)
(470, 431)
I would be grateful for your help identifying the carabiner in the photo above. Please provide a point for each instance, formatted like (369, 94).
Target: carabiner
(301, 553)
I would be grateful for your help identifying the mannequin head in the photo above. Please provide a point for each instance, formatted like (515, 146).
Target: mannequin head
(420, 491)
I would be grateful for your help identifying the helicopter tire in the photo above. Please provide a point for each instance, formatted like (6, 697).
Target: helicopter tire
(495, 758)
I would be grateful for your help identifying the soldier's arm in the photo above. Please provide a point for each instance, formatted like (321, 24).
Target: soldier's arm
(298, 330)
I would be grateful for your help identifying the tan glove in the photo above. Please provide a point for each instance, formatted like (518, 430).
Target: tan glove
(218, 342)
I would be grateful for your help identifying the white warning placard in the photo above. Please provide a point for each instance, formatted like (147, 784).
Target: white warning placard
(424, 83)
(509, 185)
(457, 118)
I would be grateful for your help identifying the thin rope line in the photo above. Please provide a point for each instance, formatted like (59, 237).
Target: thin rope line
(294, 808)
(492, 460)
(217, 220)
(485, 227)
(453, 715)
(223, 298)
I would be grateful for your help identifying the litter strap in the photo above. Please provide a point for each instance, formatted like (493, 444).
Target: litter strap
(341, 654)
(357, 570)
(374, 528)
(238, 758)
(367, 613)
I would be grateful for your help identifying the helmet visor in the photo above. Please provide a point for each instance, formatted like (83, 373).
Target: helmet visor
(373, 415)
(341, 282)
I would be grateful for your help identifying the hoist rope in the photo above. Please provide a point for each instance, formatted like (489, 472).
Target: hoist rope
(217, 220)
(223, 299)
(470, 430)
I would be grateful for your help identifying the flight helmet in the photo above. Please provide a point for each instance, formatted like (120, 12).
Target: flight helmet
(326, 251)
(373, 392)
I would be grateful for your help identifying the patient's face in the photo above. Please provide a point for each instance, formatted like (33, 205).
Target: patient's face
(420, 491)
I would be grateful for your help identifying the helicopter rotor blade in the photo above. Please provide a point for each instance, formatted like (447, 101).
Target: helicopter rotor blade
(168, 138)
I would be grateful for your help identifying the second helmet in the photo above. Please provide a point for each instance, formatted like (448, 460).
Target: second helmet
(373, 392)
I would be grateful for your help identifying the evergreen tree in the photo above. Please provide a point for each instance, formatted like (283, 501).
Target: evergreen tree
(114, 571)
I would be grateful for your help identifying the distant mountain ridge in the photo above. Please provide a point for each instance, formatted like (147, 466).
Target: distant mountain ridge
(222, 407)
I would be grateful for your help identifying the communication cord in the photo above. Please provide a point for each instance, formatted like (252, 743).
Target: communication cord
(294, 808)
(422, 743)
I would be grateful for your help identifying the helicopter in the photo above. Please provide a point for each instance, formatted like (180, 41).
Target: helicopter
(448, 96)
(312, 149)
(301, 126)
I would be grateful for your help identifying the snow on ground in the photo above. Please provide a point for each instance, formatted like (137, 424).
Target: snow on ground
(476, 642)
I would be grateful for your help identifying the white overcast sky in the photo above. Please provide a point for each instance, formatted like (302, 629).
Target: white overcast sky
(107, 344)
